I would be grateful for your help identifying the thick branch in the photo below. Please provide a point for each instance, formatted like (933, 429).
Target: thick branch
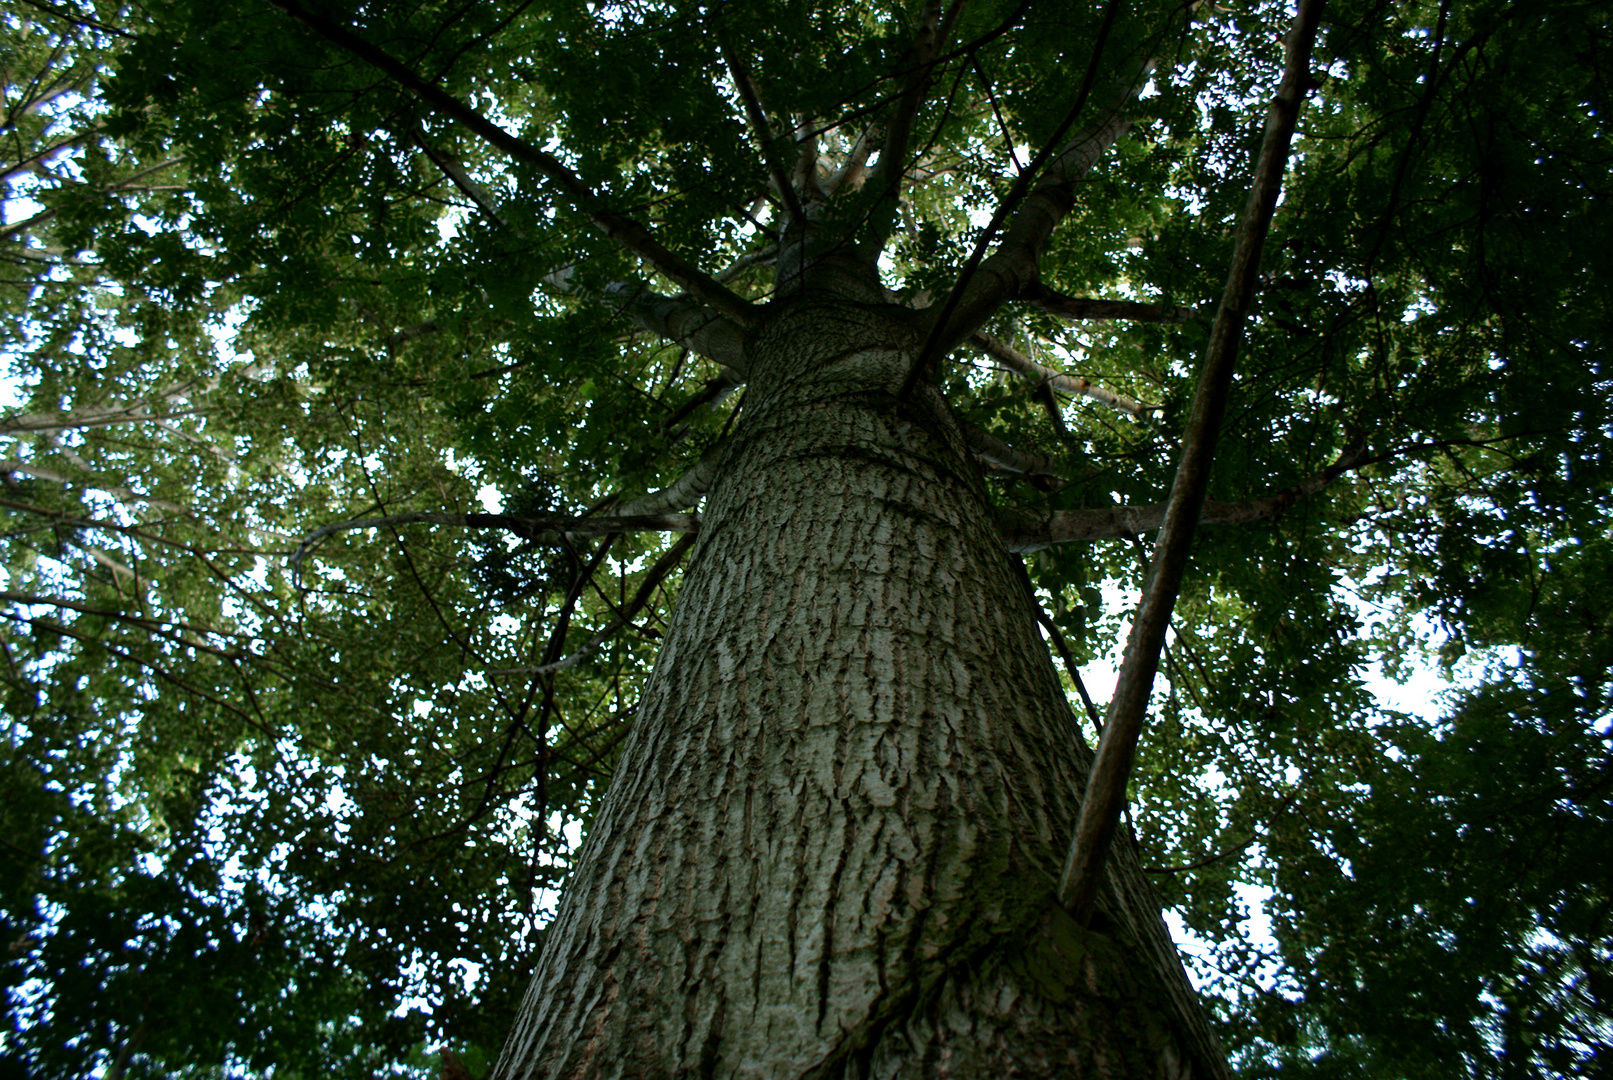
(996, 452)
(761, 130)
(746, 261)
(1014, 360)
(888, 172)
(685, 491)
(1105, 796)
(127, 496)
(93, 416)
(683, 320)
(805, 175)
(675, 318)
(1012, 269)
(854, 170)
(628, 233)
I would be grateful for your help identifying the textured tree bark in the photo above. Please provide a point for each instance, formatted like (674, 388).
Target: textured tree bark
(832, 844)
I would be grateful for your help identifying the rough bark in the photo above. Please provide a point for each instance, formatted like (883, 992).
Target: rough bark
(832, 844)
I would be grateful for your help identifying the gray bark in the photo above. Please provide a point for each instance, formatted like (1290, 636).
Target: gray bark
(833, 841)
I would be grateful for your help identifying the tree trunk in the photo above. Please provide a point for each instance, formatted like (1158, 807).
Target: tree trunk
(832, 843)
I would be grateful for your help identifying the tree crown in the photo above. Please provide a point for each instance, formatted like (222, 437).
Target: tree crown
(370, 362)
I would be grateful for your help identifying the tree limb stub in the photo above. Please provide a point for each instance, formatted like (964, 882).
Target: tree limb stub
(1071, 668)
(1105, 796)
(628, 233)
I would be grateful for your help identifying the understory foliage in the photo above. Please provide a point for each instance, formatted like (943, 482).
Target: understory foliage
(306, 805)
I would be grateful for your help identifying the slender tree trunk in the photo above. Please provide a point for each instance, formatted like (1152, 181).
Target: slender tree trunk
(832, 843)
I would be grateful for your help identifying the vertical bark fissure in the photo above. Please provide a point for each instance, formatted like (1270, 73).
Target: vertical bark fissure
(832, 844)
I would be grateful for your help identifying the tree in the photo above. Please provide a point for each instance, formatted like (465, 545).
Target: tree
(775, 333)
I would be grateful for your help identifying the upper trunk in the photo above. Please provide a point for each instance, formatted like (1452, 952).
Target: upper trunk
(831, 846)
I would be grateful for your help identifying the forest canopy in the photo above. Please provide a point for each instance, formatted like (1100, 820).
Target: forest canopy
(357, 418)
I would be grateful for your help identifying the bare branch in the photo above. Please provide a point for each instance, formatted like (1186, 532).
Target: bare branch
(1058, 642)
(1049, 401)
(37, 161)
(685, 491)
(1013, 269)
(449, 164)
(1073, 307)
(715, 390)
(1062, 647)
(1002, 124)
(168, 628)
(628, 233)
(78, 20)
(1105, 795)
(132, 182)
(1015, 360)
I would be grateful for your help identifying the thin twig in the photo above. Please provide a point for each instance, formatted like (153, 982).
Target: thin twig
(531, 528)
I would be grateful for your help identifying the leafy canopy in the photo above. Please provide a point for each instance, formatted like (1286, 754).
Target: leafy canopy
(273, 804)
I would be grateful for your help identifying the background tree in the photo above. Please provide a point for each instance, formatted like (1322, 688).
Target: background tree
(270, 802)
